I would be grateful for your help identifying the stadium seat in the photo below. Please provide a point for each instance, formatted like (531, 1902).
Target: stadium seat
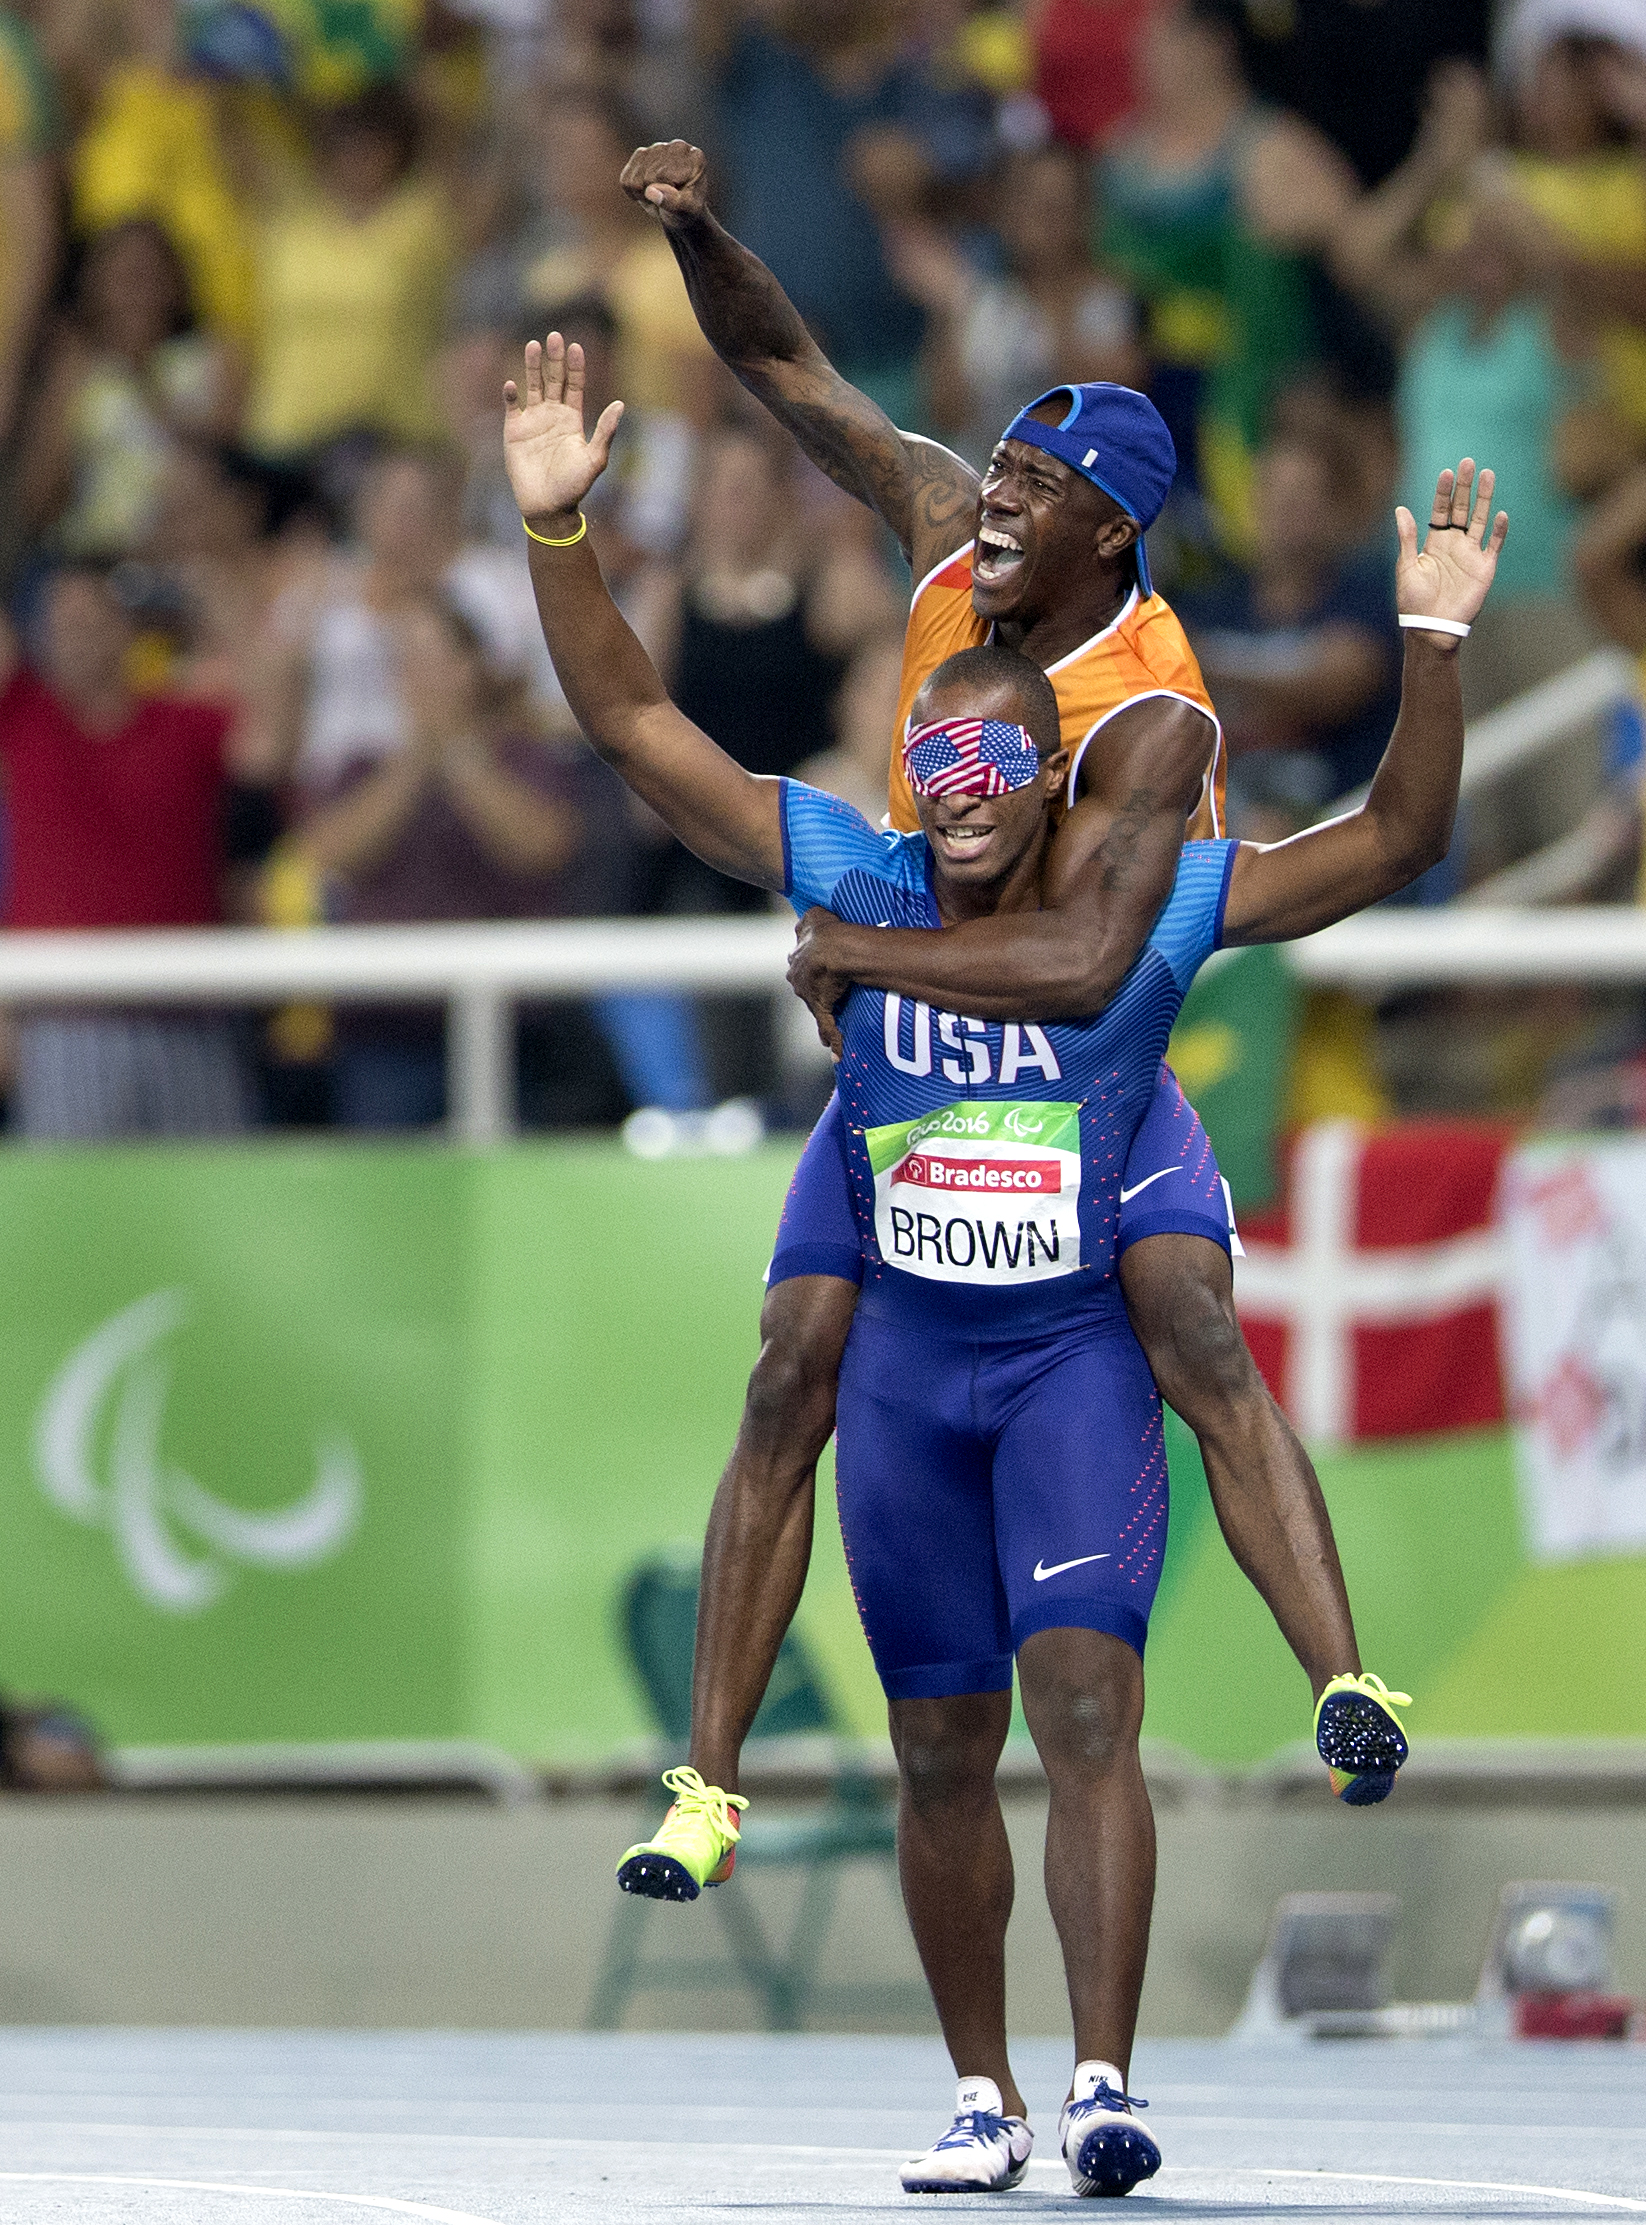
(854, 1822)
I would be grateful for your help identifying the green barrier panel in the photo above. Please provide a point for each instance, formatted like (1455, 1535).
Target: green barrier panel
(231, 1413)
(1232, 1049)
(615, 1335)
(360, 1442)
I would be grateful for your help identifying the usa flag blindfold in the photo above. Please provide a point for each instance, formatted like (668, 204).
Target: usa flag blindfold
(969, 757)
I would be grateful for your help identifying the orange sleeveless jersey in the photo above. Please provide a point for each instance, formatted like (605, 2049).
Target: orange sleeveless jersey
(1141, 653)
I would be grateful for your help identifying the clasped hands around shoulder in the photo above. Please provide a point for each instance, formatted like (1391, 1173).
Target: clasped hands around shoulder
(817, 974)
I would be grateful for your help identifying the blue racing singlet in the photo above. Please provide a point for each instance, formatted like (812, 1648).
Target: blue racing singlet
(986, 1157)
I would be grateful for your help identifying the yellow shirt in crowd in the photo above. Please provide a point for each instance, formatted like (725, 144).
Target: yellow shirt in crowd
(1600, 203)
(152, 150)
(350, 315)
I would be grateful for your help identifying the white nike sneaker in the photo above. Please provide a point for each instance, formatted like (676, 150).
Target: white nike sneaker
(1103, 2144)
(983, 2152)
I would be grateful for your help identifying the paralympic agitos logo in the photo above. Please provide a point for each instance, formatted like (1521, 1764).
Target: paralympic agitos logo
(1022, 1124)
(178, 1543)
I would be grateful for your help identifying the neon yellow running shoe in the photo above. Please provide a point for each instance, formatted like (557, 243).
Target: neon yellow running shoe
(1360, 1739)
(696, 1843)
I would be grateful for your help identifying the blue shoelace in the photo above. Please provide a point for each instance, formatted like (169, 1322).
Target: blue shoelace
(974, 2124)
(1106, 2098)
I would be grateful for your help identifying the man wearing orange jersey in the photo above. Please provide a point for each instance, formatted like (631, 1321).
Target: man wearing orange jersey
(1140, 655)
(1046, 554)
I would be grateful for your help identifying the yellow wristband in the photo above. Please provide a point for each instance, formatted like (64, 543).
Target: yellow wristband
(571, 540)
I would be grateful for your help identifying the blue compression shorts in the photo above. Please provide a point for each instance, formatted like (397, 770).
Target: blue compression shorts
(988, 1491)
(1171, 1186)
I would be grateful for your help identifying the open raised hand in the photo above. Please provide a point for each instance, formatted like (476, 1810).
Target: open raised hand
(551, 465)
(670, 178)
(1449, 576)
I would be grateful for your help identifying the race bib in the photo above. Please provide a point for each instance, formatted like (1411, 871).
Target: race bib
(980, 1193)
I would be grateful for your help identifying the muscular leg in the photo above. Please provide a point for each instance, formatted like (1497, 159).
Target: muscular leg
(1179, 1292)
(956, 1865)
(760, 1528)
(1083, 1701)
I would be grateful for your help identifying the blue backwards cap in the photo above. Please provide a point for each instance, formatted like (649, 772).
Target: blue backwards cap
(1118, 440)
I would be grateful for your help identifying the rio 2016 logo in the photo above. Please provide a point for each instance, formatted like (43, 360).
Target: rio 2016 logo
(149, 1505)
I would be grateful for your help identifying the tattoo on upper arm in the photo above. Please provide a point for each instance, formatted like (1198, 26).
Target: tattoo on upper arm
(925, 494)
(1117, 853)
(841, 431)
(943, 495)
(870, 448)
(917, 486)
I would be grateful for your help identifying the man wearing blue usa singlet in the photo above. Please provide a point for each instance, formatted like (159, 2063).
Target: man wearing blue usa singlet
(1047, 554)
(985, 1518)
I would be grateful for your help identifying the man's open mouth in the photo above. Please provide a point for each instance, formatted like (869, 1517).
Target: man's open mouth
(962, 842)
(999, 553)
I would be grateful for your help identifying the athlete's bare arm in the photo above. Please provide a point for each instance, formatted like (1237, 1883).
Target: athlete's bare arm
(1110, 869)
(729, 817)
(1292, 888)
(1117, 851)
(926, 495)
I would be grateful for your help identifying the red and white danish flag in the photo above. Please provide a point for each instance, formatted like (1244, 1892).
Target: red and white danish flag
(1370, 1298)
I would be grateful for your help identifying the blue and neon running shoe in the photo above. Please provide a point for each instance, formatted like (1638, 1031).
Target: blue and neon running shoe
(983, 2152)
(1105, 2147)
(696, 1843)
(1359, 1738)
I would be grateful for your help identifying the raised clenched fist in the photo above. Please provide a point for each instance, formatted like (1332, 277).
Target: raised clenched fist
(671, 178)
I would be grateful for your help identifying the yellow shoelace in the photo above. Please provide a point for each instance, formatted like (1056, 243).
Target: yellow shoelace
(694, 1798)
(1374, 1686)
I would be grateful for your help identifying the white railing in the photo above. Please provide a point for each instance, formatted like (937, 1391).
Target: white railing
(1481, 946)
(1544, 716)
(1551, 713)
(480, 973)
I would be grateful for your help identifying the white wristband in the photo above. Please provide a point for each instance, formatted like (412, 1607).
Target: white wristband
(1435, 625)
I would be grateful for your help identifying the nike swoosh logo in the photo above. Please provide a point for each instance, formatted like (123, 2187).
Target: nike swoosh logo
(1126, 1195)
(1041, 1571)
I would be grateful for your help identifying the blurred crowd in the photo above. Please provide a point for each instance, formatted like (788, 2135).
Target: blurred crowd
(271, 651)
